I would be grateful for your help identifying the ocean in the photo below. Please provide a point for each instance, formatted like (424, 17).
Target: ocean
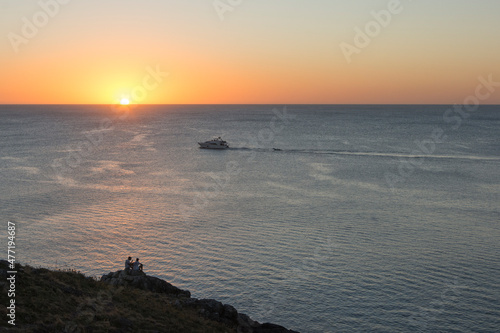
(320, 218)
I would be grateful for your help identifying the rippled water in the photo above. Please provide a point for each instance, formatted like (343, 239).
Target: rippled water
(357, 220)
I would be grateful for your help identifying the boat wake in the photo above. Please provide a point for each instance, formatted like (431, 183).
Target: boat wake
(367, 153)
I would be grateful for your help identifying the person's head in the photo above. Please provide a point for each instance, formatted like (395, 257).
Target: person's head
(129, 258)
(136, 259)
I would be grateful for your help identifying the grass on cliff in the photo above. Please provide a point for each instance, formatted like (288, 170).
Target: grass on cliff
(68, 301)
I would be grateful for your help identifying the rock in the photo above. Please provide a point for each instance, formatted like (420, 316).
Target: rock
(140, 280)
(214, 310)
(247, 325)
(230, 312)
(271, 328)
(208, 308)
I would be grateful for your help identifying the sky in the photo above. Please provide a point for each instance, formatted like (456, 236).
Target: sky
(248, 51)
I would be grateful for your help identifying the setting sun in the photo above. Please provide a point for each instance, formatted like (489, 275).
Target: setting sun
(124, 101)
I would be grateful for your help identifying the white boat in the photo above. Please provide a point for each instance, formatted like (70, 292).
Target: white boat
(216, 143)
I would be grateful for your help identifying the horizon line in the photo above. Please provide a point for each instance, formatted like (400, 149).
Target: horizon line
(151, 104)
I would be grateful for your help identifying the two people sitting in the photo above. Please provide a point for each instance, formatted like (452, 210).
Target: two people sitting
(133, 265)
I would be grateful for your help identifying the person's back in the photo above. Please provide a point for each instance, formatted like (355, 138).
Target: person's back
(137, 264)
(128, 264)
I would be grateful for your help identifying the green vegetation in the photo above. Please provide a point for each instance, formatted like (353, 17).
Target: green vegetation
(68, 301)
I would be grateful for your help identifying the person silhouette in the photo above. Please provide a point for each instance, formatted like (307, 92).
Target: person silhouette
(128, 264)
(137, 265)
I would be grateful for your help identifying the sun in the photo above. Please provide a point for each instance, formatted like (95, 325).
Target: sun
(124, 101)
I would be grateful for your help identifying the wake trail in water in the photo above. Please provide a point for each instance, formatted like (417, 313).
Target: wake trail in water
(366, 153)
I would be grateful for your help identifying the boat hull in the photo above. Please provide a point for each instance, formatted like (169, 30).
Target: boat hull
(216, 143)
(212, 146)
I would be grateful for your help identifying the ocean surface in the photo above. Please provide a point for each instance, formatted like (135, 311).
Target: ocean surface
(321, 218)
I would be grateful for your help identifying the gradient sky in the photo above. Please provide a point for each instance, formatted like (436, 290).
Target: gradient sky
(263, 51)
